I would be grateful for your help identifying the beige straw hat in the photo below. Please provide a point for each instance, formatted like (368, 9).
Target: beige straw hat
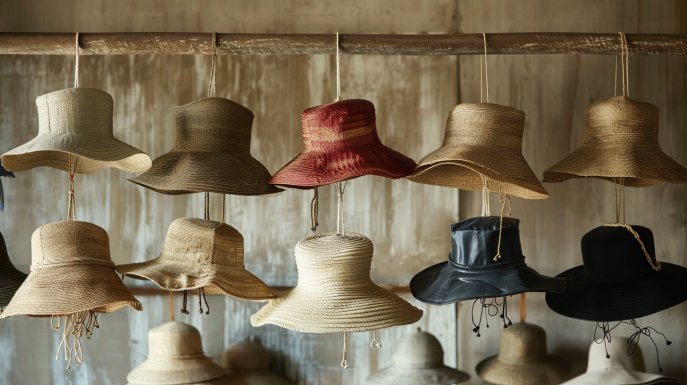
(620, 141)
(199, 253)
(481, 140)
(211, 153)
(175, 356)
(76, 121)
(523, 360)
(247, 363)
(334, 293)
(418, 360)
(71, 271)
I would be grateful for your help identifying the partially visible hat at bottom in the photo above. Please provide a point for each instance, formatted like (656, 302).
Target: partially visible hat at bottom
(247, 363)
(10, 278)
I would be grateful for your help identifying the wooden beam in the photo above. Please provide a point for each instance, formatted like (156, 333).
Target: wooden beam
(154, 290)
(354, 44)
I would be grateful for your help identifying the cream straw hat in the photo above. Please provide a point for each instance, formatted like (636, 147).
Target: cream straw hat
(247, 363)
(76, 121)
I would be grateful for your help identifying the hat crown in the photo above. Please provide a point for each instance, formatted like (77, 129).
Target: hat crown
(69, 242)
(621, 121)
(339, 125)
(619, 359)
(613, 254)
(475, 241)
(522, 342)
(75, 111)
(419, 350)
(485, 124)
(174, 339)
(194, 241)
(213, 125)
(246, 356)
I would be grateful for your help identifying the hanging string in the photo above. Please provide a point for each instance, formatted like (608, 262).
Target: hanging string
(71, 205)
(314, 209)
(503, 198)
(212, 90)
(486, 66)
(375, 343)
(625, 63)
(523, 308)
(340, 227)
(76, 71)
(481, 92)
(486, 211)
(338, 70)
(657, 266)
(619, 188)
(206, 210)
(344, 362)
(201, 295)
(76, 325)
(489, 307)
(615, 77)
(183, 306)
(606, 334)
(171, 306)
(632, 341)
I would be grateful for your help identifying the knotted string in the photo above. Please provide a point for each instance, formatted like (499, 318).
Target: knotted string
(71, 204)
(211, 86)
(632, 341)
(344, 362)
(338, 70)
(201, 294)
(340, 227)
(486, 210)
(375, 343)
(76, 325)
(503, 198)
(314, 209)
(487, 305)
(76, 70)
(657, 266)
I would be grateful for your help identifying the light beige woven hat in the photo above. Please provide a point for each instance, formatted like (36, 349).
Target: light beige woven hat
(175, 356)
(334, 293)
(418, 360)
(247, 363)
(211, 153)
(481, 140)
(76, 121)
(199, 253)
(620, 141)
(523, 359)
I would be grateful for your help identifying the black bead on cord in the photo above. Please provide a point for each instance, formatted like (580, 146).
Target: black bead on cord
(201, 298)
(633, 340)
(489, 307)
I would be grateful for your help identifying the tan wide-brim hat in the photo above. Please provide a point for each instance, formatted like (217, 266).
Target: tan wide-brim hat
(481, 140)
(247, 363)
(76, 123)
(620, 141)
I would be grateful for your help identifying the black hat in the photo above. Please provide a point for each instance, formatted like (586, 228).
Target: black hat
(617, 282)
(10, 277)
(473, 272)
(8, 174)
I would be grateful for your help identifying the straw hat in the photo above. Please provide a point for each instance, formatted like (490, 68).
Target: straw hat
(418, 360)
(620, 141)
(334, 293)
(247, 363)
(619, 369)
(76, 121)
(10, 277)
(211, 153)
(71, 271)
(204, 254)
(481, 139)
(340, 142)
(175, 356)
(523, 360)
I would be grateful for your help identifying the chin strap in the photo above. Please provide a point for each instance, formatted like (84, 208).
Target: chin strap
(489, 307)
(632, 341)
(77, 325)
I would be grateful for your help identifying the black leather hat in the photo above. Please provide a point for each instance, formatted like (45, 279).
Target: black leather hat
(472, 272)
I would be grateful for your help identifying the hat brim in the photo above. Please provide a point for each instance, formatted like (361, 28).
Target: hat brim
(94, 154)
(413, 376)
(177, 173)
(10, 281)
(549, 370)
(463, 167)
(619, 377)
(62, 290)
(361, 309)
(169, 371)
(608, 302)
(313, 168)
(256, 377)
(443, 284)
(238, 283)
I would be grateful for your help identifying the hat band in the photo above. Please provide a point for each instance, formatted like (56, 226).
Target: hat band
(487, 268)
(75, 263)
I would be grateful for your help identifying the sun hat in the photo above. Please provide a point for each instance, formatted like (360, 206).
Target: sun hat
(10, 278)
(211, 153)
(620, 141)
(482, 140)
(247, 363)
(201, 254)
(334, 293)
(523, 360)
(8, 174)
(418, 360)
(473, 270)
(619, 369)
(175, 356)
(76, 121)
(340, 142)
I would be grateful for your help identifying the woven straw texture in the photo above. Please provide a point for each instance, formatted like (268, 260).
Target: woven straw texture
(247, 363)
(334, 293)
(620, 141)
(418, 360)
(481, 139)
(10, 277)
(204, 254)
(71, 271)
(340, 142)
(211, 153)
(523, 360)
(76, 121)
(175, 356)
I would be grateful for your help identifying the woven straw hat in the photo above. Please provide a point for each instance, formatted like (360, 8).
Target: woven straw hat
(76, 121)
(10, 277)
(334, 293)
(620, 141)
(247, 363)
(71, 271)
(198, 253)
(340, 142)
(211, 153)
(175, 356)
(418, 360)
(481, 139)
(523, 360)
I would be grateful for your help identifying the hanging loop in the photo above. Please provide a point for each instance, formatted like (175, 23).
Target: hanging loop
(338, 70)
(486, 68)
(76, 71)
(340, 226)
(314, 211)
(212, 90)
(486, 210)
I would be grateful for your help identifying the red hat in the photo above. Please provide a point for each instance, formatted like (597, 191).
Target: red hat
(340, 142)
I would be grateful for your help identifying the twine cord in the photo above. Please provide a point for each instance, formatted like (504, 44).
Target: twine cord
(71, 204)
(76, 325)
(338, 70)
(615, 77)
(212, 90)
(375, 343)
(487, 307)
(340, 225)
(632, 341)
(486, 210)
(344, 362)
(625, 63)
(76, 70)
(206, 207)
(486, 66)
(619, 188)
(657, 266)
(503, 198)
(314, 210)
(183, 306)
